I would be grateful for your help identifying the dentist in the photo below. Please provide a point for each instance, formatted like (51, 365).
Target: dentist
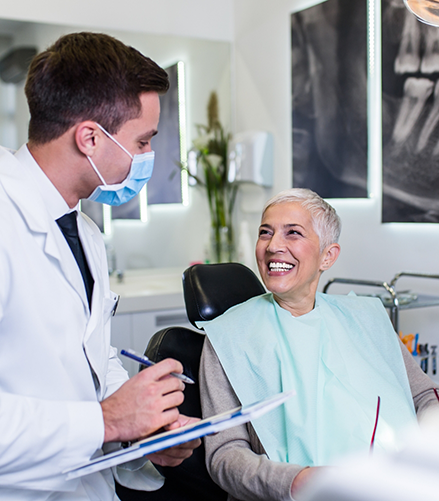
(94, 106)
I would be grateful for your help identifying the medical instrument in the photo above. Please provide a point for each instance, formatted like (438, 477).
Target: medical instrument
(408, 341)
(144, 360)
(415, 349)
(424, 354)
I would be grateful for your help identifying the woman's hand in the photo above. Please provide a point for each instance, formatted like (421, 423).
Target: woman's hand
(302, 479)
(177, 454)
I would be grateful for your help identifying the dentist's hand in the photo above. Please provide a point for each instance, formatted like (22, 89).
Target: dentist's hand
(144, 404)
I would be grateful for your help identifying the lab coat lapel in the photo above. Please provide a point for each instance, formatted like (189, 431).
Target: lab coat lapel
(94, 341)
(33, 210)
(91, 245)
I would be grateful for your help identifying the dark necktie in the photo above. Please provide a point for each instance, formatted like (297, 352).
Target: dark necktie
(69, 227)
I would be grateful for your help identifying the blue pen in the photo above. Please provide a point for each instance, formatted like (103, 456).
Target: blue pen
(144, 360)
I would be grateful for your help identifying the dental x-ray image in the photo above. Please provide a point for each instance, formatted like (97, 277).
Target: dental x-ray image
(329, 95)
(410, 116)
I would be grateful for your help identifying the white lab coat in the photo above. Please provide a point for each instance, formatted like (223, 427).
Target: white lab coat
(50, 415)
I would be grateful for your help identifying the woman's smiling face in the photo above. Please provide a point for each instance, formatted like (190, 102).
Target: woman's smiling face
(288, 253)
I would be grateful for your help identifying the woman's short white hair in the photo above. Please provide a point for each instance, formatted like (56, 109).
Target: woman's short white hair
(326, 221)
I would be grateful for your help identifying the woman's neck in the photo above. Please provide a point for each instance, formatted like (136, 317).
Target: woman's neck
(299, 307)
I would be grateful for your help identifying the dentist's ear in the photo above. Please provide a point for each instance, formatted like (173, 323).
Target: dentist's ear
(330, 256)
(87, 135)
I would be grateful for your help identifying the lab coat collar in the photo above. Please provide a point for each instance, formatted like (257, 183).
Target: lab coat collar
(33, 209)
(54, 201)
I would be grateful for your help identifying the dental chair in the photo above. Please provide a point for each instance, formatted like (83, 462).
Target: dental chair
(209, 290)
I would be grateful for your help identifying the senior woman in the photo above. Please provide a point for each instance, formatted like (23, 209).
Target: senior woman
(340, 353)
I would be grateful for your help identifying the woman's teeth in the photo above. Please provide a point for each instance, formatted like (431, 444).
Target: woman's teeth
(279, 266)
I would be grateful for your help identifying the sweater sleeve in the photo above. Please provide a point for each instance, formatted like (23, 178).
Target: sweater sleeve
(421, 385)
(235, 458)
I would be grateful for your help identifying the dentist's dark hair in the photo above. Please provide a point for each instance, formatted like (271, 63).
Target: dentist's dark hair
(88, 76)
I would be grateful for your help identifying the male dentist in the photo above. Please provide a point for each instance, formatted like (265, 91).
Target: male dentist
(94, 106)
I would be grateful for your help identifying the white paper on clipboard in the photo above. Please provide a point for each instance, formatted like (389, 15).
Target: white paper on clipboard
(213, 424)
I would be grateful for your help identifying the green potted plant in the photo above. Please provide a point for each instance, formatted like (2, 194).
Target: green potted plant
(214, 176)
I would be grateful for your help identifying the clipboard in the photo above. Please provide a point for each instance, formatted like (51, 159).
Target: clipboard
(214, 424)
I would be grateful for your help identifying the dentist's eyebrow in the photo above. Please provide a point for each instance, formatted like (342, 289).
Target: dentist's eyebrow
(148, 135)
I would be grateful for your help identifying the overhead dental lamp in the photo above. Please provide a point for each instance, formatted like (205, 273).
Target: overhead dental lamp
(426, 11)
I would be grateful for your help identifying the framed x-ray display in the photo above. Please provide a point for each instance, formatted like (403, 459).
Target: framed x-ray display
(410, 116)
(329, 98)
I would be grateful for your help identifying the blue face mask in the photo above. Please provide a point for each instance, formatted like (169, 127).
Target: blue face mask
(140, 172)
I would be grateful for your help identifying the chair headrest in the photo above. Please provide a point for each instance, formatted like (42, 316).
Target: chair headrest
(211, 289)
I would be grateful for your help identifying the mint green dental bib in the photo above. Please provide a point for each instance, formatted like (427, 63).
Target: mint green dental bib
(338, 358)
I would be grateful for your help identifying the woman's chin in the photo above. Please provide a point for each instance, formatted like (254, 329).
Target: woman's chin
(279, 281)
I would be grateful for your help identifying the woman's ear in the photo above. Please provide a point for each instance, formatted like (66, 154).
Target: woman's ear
(87, 137)
(330, 256)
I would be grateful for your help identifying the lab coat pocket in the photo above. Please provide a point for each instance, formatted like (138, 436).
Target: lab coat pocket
(110, 306)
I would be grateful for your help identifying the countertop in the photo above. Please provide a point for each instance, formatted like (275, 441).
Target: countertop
(149, 289)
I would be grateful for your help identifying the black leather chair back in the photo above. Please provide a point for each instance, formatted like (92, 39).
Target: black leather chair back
(189, 481)
(184, 345)
(211, 289)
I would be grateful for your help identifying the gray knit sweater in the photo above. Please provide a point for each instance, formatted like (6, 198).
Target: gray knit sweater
(236, 459)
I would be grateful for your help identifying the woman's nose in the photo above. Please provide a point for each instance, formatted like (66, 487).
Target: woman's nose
(276, 244)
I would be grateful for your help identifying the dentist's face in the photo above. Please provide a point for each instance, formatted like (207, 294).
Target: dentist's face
(135, 136)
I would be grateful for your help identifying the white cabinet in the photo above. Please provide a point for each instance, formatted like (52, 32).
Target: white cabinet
(150, 300)
(134, 330)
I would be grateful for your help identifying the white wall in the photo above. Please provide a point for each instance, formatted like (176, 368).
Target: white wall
(206, 19)
(370, 250)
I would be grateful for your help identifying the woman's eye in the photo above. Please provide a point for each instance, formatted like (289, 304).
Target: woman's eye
(263, 232)
(294, 232)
